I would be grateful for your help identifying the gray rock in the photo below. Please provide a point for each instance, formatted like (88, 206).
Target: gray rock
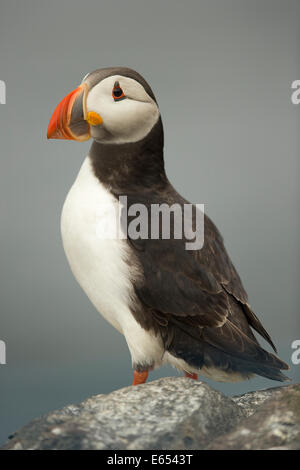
(249, 402)
(171, 413)
(274, 425)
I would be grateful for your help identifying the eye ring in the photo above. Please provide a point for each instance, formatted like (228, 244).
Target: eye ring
(117, 92)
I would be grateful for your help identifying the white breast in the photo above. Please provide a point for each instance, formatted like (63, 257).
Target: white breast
(99, 263)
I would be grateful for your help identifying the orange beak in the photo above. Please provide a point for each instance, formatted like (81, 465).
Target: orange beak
(68, 120)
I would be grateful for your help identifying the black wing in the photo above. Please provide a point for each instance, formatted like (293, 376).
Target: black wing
(198, 294)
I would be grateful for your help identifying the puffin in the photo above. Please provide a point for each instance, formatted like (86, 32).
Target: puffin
(184, 307)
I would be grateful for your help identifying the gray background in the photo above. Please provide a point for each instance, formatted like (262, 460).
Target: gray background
(222, 73)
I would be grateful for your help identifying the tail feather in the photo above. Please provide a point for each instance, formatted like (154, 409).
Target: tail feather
(257, 326)
(227, 349)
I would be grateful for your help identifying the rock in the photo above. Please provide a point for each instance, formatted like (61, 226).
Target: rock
(171, 413)
(275, 424)
(249, 402)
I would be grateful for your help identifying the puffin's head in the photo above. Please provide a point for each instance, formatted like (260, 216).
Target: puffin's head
(112, 105)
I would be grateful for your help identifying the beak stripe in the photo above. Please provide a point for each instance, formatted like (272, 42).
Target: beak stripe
(67, 121)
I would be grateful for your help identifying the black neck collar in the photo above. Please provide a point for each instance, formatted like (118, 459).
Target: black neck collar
(131, 167)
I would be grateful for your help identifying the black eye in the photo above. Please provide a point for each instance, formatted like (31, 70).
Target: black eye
(117, 92)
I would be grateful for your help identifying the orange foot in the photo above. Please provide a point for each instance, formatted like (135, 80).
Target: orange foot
(139, 377)
(191, 376)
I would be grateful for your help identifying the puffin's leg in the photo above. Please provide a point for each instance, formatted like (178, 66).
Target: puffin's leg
(191, 376)
(139, 377)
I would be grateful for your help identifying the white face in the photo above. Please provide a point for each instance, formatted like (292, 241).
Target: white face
(126, 120)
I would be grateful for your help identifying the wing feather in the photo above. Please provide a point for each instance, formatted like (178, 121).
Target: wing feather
(199, 293)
